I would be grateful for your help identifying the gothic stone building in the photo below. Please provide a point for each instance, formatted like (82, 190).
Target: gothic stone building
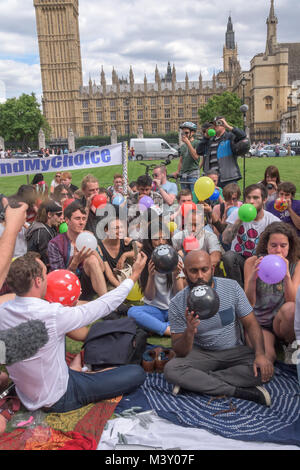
(123, 105)
(270, 87)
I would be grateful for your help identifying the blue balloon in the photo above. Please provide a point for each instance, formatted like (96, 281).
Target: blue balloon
(118, 200)
(215, 195)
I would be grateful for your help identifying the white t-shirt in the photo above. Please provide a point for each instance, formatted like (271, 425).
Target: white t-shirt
(248, 234)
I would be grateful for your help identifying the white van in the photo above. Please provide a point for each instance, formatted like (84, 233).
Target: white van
(152, 149)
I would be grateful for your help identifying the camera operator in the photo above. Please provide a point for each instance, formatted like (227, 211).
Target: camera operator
(190, 162)
(223, 150)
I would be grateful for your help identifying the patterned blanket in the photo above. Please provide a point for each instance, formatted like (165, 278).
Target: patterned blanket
(230, 418)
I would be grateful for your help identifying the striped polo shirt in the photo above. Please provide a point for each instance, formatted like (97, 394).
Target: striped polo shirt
(223, 330)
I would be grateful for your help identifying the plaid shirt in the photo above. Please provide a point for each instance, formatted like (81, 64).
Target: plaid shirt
(59, 249)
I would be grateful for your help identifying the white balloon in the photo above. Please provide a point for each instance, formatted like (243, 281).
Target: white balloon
(86, 240)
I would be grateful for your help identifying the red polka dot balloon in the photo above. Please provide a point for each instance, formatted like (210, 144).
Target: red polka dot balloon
(63, 287)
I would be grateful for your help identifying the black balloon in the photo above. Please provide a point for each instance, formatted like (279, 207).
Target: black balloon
(203, 301)
(165, 259)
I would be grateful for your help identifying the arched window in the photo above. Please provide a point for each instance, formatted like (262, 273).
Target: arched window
(268, 102)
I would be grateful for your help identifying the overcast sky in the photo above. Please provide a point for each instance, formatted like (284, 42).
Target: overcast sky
(142, 33)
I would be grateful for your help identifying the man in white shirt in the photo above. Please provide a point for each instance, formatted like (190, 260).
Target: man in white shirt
(244, 236)
(44, 380)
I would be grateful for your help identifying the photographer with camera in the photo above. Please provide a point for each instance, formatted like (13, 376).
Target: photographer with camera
(223, 150)
(190, 162)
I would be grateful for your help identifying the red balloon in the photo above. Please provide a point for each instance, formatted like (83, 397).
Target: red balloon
(187, 207)
(63, 287)
(190, 243)
(67, 203)
(99, 200)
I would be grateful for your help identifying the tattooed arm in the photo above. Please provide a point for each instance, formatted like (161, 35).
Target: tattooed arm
(230, 231)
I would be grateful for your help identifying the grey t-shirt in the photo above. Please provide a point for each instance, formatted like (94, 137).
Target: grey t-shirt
(223, 330)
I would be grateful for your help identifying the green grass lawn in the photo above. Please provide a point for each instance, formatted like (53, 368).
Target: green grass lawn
(289, 168)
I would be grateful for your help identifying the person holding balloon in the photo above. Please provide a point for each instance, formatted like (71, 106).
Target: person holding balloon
(116, 250)
(45, 381)
(272, 278)
(221, 212)
(286, 207)
(143, 199)
(76, 250)
(211, 357)
(223, 151)
(243, 231)
(195, 237)
(160, 280)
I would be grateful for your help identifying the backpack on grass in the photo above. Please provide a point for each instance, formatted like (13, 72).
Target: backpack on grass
(114, 343)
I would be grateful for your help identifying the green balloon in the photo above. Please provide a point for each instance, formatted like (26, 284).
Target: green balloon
(247, 213)
(211, 132)
(63, 228)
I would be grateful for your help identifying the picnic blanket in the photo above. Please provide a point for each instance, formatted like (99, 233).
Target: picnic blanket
(79, 429)
(230, 418)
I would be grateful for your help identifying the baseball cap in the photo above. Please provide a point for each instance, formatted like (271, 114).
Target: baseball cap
(53, 206)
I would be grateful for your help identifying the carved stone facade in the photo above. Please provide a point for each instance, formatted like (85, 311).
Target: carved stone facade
(123, 105)
(269, 83)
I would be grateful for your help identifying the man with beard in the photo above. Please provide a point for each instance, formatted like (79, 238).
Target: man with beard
(211, 357)
(244, 236)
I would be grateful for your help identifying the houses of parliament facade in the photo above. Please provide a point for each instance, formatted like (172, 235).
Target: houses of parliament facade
(155, 107)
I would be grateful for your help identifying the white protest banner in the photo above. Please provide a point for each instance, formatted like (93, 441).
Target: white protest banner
(85, 159)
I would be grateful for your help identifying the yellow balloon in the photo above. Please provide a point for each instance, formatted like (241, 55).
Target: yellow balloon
(172, 226)
(204, 188)
(135, 294)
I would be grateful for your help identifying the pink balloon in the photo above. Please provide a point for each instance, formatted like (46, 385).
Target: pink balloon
(272, 269)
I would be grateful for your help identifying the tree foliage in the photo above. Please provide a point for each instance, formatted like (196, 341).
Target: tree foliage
(21, 119)
(226, 105)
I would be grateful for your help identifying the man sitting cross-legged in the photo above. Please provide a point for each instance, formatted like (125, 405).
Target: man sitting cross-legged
(211, 357)
(87, 264)
(45, 381)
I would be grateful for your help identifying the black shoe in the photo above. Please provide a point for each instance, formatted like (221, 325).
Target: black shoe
(257, 394)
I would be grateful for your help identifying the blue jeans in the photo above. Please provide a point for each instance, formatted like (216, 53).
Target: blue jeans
(150, 318)
(187, 182)
(84, 388)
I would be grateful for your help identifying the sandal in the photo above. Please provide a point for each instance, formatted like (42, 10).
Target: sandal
(8, 407)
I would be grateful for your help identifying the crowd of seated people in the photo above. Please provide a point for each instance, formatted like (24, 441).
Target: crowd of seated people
(268, 313)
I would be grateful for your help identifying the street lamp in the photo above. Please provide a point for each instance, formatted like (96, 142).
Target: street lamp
(244, 108)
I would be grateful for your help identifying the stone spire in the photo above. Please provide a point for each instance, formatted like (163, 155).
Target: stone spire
(174, 74)
(145, 83)
(200, 81)
(229, 37)
(103, 80)
(114, 77)
(169, 73)
(131, 79)
(186, 81)
(157, 77)
(272, 22)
